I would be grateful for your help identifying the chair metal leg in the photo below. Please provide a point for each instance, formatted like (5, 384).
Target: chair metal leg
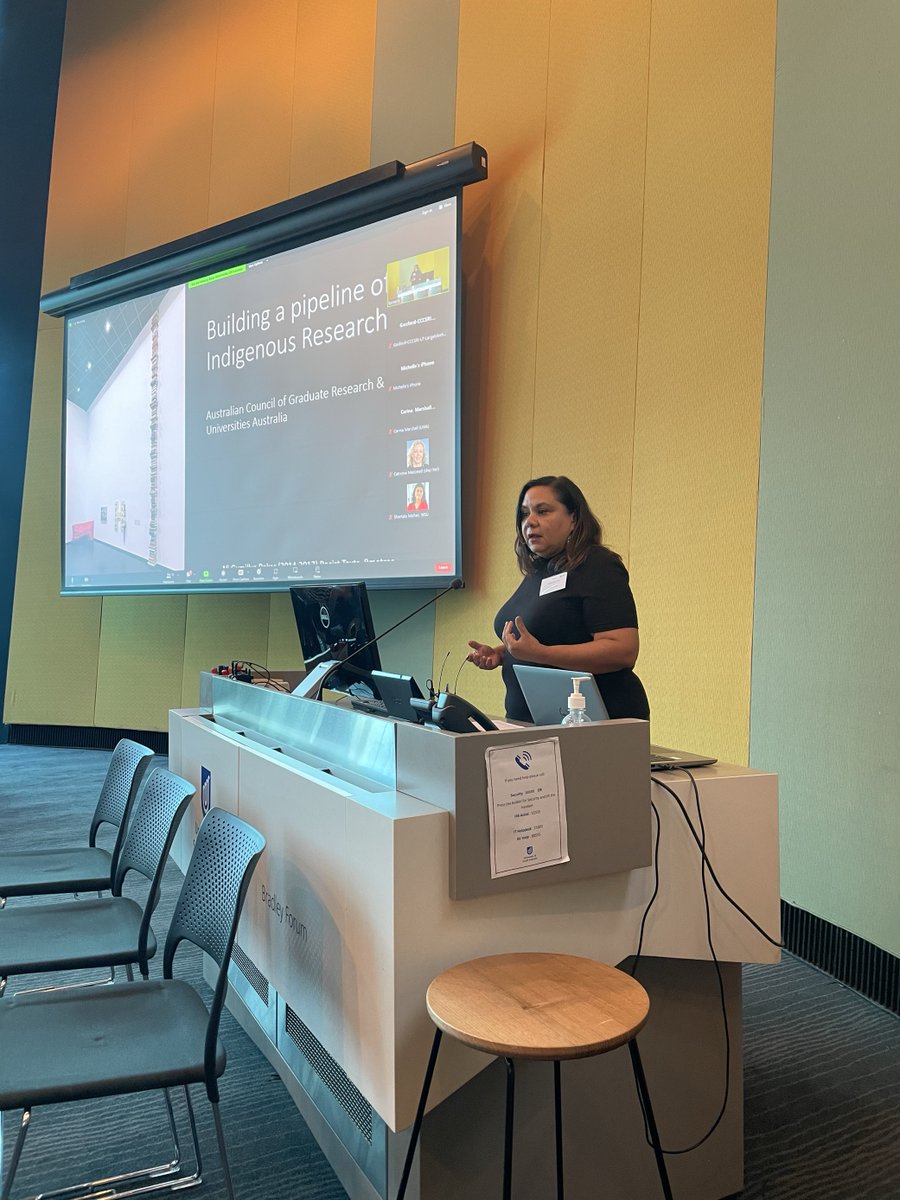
(164, 1177)
(508, 1135)
(174, 1163)
(557, 1098)
(66, 987)
(162, 1170)
(420, 1113)
(197, 1177)
(220, 1138)
(644, 1094)
(16, 1154)
(141, 1182)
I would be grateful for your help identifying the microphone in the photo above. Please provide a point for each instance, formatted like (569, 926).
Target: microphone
(311, 685)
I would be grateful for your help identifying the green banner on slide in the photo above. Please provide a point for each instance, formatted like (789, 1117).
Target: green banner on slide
(218, 275)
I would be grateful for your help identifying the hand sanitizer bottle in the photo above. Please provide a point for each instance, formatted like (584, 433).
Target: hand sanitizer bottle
(576, 714)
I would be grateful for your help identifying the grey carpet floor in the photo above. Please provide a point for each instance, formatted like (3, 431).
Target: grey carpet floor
(822, 1065)
(821, 1089)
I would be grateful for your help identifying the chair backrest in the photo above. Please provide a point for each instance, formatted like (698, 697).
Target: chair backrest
(225, 854)
(161, 802)
(126, 769)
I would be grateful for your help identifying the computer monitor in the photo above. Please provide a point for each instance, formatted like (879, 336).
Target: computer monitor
(335, 623)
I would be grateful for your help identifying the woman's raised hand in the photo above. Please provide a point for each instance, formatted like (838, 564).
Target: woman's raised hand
(520, 643)
(487, 658)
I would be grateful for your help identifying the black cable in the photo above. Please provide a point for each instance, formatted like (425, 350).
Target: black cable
(274, 684)
(637, 955)
(704, 861)
(709, 866)
(704, 865)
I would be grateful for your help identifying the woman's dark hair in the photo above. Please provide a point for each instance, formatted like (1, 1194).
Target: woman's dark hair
(586, 532)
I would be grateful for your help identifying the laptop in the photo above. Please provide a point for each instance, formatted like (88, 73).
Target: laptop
(547, 689)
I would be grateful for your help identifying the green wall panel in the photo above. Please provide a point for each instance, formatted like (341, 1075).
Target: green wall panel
(826, 689)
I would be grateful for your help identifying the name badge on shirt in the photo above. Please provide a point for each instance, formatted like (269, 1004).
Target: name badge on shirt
(553, 583)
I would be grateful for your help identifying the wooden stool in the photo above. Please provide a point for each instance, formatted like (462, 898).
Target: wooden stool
(537, 1006)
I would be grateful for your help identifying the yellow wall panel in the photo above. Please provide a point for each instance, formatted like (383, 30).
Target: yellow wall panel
(169, 152)
(86, 216)
(615, 274)
(643, 315)
(700, 365)
(332, 101)
(171, 116)
(221, 629)
(591, 253)
(283, 646)
(414, 88)
(501, 103)
(52, 673)
(139, 669)
(254, 57)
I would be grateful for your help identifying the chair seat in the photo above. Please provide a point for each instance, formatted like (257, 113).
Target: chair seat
(101, 1041)
(539, 1006)
(95, 932)
(51, 872)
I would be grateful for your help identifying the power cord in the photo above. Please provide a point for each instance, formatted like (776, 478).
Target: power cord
(650, 902)
(734, 904)
(244, 672)
(705, 866)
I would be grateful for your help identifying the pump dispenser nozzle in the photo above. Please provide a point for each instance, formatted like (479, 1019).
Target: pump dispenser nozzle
(576, 714)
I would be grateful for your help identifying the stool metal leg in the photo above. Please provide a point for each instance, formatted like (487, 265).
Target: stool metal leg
(644, 1095)
(557, 1097)
(420, 1113)
(508, 1139)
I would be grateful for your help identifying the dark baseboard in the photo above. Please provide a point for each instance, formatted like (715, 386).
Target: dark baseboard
(848, 958)
(84, 737)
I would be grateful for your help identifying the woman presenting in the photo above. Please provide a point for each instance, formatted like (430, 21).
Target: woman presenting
(574, 608)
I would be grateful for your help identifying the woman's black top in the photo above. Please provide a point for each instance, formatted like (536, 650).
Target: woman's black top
(596, 598)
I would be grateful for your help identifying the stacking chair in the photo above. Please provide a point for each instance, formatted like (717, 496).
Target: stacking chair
(151, 1034)
(87, 868)
(104, 931)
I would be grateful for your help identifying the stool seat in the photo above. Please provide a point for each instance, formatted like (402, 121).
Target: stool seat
(538, 1006)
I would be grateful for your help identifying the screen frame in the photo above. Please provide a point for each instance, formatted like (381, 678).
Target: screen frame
(348, 205)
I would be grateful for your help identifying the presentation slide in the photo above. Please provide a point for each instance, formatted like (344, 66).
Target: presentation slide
(287, 419)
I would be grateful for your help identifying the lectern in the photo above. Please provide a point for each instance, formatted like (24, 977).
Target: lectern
(376, 878)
